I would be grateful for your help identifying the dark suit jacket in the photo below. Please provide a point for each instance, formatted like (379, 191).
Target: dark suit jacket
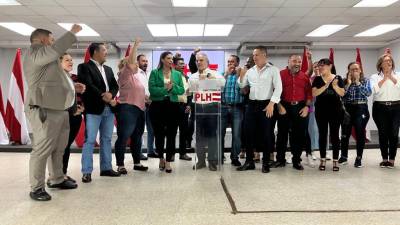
(89, 74)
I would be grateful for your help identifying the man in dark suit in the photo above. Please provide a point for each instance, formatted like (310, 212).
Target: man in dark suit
(101, 88)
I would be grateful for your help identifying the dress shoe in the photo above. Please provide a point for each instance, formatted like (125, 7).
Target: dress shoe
(246, 166)
(298, 166)
(278, 164)
(140, 167)
(199, 165)
(109, 173)
(152, 155)
(87, 178)
(212, 166)
(235, 162)
(265, 168)
(143, 157)
(40, 195)
(185, 157)
(70, 179)
(66, 184)
(122, 170)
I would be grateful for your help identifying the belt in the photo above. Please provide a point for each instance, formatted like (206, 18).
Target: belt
(357, 102)
(387, 103)
(294, 102)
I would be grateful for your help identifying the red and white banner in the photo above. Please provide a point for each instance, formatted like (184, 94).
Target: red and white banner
(205, 97)
(15, 120)
(3, 130)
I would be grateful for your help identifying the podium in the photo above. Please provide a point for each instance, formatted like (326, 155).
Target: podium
(207, 110)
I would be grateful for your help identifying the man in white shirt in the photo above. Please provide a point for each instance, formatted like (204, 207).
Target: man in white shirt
(265, 91)
(207, 118)
(143, 63)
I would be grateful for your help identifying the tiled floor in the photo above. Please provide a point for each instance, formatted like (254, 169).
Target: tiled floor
(188, 197)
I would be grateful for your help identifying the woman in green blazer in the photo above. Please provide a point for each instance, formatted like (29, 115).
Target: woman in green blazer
(165, 84)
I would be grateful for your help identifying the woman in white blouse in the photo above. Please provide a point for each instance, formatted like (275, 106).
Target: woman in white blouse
(386, 108)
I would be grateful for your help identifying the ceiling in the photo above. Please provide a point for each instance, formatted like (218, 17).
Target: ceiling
(254, 20)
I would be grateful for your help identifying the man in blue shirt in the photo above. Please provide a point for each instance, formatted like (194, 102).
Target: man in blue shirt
(232, 108)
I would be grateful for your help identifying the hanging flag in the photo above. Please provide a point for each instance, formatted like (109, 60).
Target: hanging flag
(128, 50)
(304, 62)
(358, 59)
(87, 56)
(3, 130)
(331, 56)
(15, 120)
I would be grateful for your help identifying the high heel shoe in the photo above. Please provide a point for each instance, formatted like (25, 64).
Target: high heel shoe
(322, 165)
(335, 168)
(161, 166)
(169, 170)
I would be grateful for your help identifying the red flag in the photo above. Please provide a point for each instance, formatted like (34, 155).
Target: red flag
(15, 120)
(2, 104)
(304, 63)
(213, 67)
(331, 56)
(87, 56)
(3, 131)
(128, 50)
(358, 58)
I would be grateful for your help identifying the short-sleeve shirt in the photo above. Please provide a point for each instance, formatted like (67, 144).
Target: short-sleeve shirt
(329, 99)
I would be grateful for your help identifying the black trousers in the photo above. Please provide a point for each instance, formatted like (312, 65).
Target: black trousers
(74, 126)
(164, 118)
(387, 119)
(183, 124)
(359, 118)
(259, 130)
(207, 127)
(332, 117)
(295, 125)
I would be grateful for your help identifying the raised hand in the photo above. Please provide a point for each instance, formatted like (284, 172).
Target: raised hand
(80, 88)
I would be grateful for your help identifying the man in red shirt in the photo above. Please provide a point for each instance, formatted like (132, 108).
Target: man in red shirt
(293, 111)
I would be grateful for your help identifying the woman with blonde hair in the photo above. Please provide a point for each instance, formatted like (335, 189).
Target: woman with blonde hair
(386, 108)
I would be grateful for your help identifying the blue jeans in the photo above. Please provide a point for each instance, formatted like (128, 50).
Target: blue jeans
(105, 123)
(150, 134)
(313, 131)
(130, 124)
(234, 114)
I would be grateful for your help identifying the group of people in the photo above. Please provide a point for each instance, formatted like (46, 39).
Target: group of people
(254, 99)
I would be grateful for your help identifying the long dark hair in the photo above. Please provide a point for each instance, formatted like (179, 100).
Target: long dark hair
(326, 61)
(163, 56)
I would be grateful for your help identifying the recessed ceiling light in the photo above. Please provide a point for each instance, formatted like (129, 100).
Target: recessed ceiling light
(378, 30)
(9, 2)
(178, 47)
(189, 3)
(21, 28)
(217, 29)
(85, 32)
(162, 30)
(326, 30)
(190, 30)
(375, 3)
(219, 47)
(158, 47)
